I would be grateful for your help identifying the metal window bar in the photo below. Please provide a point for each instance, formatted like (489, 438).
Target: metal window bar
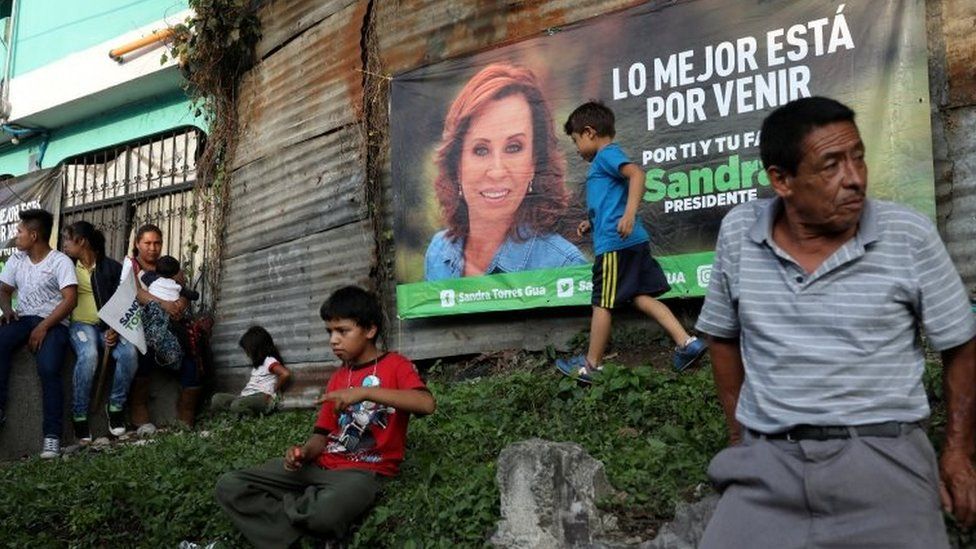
(145, 181)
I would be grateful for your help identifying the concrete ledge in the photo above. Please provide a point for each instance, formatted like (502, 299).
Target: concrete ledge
(21, 436)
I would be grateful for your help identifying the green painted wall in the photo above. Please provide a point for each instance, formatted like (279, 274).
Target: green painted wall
(48, 30)
(111, 128)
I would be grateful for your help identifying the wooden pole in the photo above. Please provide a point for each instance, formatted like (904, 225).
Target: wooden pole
(102, 376)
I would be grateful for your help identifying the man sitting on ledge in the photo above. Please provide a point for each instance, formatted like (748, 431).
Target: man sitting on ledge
(47, 291)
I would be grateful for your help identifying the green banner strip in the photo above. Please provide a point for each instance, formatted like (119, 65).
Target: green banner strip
(688, 275)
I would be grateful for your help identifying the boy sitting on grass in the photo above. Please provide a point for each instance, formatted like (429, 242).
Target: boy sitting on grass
(320, 487)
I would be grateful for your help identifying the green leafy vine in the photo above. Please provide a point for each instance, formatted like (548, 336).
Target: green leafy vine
(214, 49)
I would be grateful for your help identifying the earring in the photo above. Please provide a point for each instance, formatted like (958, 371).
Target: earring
(460, 191)
(531, 181)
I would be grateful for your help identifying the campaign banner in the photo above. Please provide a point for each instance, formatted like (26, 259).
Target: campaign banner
(489, 190)
(124, 314)
(39, 189)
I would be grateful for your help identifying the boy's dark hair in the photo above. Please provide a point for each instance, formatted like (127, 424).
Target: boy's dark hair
(167, 266)
(356, 304)
(87, 231)
(593, 114)
(784, 130)
(258, 345)
(39, 220)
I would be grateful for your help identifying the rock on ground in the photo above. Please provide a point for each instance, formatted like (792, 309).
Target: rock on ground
(685, 531)
(549, 492)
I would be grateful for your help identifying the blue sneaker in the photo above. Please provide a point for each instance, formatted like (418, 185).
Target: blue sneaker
(689, 354)
(577, 368)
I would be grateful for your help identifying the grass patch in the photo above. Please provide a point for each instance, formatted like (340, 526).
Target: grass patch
(654, 430)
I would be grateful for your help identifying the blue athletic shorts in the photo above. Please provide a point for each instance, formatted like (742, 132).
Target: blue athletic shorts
(621, 275)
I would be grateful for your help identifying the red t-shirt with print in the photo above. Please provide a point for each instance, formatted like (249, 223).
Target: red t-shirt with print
(368, 435)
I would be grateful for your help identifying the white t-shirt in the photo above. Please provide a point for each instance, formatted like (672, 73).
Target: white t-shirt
(166, 289)
(262, 380)
(39, 285)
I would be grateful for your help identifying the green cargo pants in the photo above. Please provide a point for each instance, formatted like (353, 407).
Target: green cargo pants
(274, 507)
(255, 404)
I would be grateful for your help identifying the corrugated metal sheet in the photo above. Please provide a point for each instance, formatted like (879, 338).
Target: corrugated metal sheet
(960, 215)
(305, 188)
(295, 231)
(413, 33)
(282, 288)
(959, 20)
(956, 196)
(282, 21)
(308, 87)
(952, 84)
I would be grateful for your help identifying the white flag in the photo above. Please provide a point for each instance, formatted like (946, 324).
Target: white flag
(124, 315)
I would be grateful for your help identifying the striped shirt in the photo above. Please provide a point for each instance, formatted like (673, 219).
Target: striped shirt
(839, 346)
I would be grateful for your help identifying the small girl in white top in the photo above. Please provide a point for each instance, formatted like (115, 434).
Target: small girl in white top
(269, 375)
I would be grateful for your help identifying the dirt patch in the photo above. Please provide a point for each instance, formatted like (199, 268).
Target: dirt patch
(466, 367)
(631, 347)
(636, 351)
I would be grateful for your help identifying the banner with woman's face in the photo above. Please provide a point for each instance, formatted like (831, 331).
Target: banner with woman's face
(488, 188)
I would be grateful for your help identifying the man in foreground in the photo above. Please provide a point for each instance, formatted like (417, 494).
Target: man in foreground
(816, 302)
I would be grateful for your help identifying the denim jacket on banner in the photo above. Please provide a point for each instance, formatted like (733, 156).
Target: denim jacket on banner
(445, 257)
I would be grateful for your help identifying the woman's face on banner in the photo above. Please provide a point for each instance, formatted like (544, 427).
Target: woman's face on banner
(497, 159)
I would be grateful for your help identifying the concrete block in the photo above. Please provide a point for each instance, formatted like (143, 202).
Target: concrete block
(21, 436)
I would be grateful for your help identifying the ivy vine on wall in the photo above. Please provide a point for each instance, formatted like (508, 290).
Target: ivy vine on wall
(214, 48)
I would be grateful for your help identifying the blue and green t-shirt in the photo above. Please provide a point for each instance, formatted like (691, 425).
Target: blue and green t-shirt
(606, 200)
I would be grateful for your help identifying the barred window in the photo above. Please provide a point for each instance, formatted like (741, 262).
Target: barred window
(150, 180)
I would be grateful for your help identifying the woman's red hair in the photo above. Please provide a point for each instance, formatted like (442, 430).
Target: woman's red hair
(541, 209)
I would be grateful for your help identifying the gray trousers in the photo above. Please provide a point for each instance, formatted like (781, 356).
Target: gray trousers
(858, 492)
(273, 507)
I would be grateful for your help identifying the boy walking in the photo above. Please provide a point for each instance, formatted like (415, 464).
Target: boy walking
(359, 437)
(624, 271)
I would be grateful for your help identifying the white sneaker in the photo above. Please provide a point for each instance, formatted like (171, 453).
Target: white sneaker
(146, 430)
(51, 448)
(116, 421)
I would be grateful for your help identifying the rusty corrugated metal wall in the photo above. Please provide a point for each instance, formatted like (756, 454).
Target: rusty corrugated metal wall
(300, 225)
(311, 180)
(952, 83)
